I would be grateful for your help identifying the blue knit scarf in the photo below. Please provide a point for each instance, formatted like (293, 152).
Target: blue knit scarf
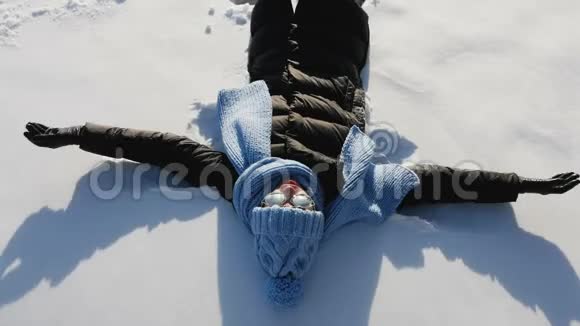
(371, 192)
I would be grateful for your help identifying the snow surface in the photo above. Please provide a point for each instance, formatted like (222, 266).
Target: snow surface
(489, 84)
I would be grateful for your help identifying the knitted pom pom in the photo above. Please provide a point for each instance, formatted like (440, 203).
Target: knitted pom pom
(285, 291)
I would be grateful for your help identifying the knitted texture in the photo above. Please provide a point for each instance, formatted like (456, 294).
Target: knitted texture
(245, 118)
(286, 239)
(285, 291)
(265, 175)
(371, 192)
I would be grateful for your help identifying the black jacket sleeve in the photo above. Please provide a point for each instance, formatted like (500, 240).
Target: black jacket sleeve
(203, 165)
(439, 184)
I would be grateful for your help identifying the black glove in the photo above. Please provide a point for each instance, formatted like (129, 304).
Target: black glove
(43, 136)
(557, 184)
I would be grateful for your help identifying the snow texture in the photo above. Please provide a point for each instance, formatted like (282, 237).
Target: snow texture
(14, 14)
(487, 84)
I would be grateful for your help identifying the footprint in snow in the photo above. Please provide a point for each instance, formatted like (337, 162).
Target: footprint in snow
(240, 14)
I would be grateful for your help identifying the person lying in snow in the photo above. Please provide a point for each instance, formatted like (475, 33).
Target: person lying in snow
(297, 164)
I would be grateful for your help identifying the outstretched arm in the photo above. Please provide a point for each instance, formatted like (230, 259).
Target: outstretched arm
(204, 165)
(439, 184)
(558, 184)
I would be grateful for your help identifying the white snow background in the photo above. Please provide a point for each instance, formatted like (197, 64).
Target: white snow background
(490, 84)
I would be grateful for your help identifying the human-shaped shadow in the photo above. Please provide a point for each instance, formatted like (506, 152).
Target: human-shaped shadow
(341, 285)
(488, 240)
(50, 244)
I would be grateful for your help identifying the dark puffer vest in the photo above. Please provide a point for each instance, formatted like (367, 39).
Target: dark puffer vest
(312, 66)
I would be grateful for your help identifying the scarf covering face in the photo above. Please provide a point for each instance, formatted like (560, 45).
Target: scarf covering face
(286, 239)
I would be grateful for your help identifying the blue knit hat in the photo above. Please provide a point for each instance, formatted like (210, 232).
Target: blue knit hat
(286, 243)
